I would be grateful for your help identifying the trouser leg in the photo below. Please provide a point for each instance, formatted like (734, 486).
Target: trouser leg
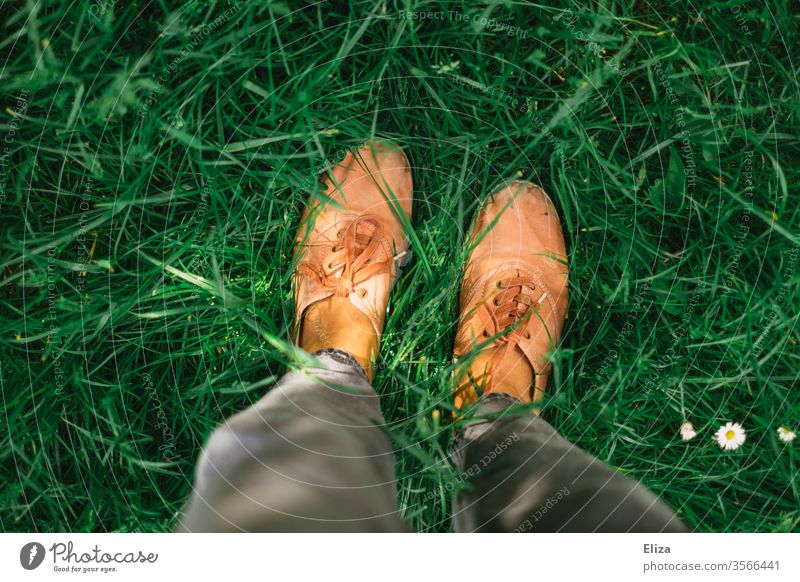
(523, 476)
(311, 455)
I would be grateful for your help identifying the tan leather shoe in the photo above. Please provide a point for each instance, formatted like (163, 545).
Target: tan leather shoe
(513, 296)
(349, 246)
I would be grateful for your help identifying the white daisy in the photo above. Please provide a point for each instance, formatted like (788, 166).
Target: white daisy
(687, 431)
(731, 436)
(786, 435)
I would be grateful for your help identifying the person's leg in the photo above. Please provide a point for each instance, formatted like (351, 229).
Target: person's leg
(311, 455)
(524, 477)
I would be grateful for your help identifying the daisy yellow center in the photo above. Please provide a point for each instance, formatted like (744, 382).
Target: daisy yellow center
(730, 435)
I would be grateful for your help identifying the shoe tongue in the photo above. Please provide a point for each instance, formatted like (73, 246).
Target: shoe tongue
(519, 298)
(508, 276)
(365, 232)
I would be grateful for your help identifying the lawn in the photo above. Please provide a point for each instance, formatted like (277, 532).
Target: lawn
(156, 157)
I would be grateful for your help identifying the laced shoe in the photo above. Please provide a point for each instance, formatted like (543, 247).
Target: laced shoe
(513, 296)
(349, 246)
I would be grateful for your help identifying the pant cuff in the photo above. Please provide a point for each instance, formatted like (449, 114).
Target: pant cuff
(489, 413)
(341, 361)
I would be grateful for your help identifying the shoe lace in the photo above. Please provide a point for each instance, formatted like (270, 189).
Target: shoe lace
(510, 308)
(354, 258)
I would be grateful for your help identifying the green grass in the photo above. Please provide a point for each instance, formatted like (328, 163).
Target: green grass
(159, 154)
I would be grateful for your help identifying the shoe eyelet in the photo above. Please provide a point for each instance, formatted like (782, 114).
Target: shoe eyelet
(330, 265)
(485, 333)
(527, 335)
(335, 249)
(362, 293)
(499, 284)
(339, 233)
(495, 303)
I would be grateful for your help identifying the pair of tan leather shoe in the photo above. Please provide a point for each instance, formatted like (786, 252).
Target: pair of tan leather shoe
(513, 296)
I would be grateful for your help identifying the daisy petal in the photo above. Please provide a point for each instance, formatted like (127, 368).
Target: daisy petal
(731, 436)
